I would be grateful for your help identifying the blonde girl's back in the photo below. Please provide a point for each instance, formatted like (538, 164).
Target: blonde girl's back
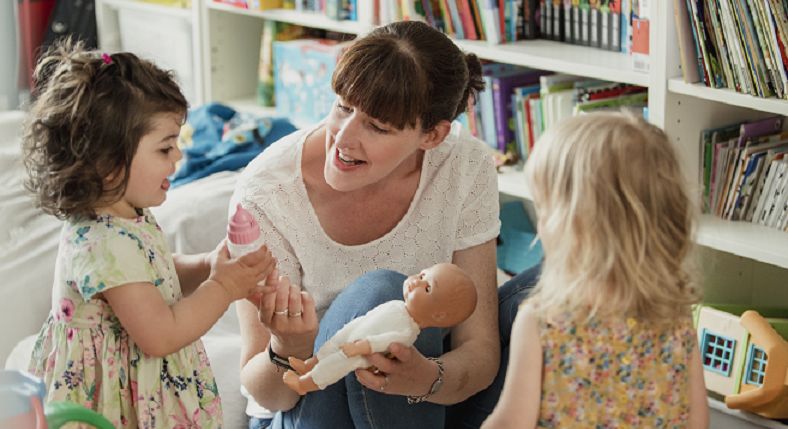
(608, 327)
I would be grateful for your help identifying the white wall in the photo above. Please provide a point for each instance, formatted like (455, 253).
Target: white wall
(9, 49)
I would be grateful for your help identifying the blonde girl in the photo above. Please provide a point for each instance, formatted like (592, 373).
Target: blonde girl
(606, 338)
(123, 335)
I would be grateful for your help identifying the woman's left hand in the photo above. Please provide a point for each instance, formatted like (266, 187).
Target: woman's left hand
(403, 371)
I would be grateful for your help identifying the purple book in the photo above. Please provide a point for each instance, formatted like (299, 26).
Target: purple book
(502, 87)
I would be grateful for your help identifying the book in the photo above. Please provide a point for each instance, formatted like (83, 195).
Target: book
(502, 89)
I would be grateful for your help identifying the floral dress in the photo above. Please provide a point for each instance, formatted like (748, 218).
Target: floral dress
(615, 374)
(85, 355)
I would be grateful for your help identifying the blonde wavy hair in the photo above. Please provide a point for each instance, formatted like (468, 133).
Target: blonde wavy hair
(615, 221)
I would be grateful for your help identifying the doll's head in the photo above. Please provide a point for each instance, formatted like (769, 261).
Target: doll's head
(439, 296)
(614, 217)
(90, 113)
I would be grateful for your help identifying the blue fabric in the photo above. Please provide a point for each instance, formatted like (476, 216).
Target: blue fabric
(217, 138)
(353, 405)
(258, 423)
(347, 403)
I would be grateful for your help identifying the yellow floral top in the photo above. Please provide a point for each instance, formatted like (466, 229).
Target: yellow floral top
(606, 374)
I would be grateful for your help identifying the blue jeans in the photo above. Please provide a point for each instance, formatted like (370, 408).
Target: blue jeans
(352, 405)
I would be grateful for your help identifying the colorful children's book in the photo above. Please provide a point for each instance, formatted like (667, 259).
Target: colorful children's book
(502, 91)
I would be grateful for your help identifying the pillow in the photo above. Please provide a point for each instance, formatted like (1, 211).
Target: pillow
(30, 240)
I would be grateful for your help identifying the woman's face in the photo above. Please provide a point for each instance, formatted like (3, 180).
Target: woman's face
(362, 151)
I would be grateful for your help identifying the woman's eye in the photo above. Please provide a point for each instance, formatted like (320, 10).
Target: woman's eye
(378, 129)
(344, 109)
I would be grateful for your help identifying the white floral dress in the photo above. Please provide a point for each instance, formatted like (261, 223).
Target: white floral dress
(85, 355)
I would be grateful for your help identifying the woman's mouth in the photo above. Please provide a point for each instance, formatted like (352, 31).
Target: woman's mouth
(348, 160)
(165, 184)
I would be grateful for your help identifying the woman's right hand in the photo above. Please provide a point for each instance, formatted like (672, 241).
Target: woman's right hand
(240, 277)
(289, 314)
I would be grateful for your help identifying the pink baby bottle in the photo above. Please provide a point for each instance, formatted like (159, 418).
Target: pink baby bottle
(243, 233)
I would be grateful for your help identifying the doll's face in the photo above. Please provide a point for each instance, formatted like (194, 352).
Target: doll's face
(428, 294)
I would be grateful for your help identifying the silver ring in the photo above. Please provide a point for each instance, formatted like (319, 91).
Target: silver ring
(281, 313)
(296, 314)
(385, 383)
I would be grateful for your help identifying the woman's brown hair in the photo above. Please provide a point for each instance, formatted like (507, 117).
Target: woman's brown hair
(89, 114)
(408, 72)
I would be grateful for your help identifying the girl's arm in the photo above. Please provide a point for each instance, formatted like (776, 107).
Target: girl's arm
(192, 270)
(520, 400)
(160, 329)
(699, 403)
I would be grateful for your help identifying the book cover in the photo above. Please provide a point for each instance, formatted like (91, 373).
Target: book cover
(502, 90)
(689, 62)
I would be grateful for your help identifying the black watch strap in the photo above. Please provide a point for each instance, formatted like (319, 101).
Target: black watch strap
(278, 360)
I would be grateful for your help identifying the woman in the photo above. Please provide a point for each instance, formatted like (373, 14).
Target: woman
(385, 183)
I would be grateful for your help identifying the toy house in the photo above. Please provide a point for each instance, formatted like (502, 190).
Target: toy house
(745, 357)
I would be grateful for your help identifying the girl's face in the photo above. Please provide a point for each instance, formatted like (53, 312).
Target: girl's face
(153, 162)
(362, 151)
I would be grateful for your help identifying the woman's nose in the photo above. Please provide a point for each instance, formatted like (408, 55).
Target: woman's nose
(347, 133)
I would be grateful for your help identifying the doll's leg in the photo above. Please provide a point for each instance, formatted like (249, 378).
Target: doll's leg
(472, 412)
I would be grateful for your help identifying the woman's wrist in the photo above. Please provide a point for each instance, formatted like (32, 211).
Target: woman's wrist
(288, 349)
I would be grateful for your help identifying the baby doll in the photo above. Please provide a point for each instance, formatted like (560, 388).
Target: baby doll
(440, 296)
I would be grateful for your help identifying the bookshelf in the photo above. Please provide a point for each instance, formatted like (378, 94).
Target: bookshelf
(743, 263)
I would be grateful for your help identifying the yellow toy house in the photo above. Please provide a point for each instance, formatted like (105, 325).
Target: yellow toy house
(745, 357)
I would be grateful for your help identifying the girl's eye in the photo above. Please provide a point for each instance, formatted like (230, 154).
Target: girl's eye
(166, 150)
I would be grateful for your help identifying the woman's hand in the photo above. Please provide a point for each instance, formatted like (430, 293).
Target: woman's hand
(403, 371)
(289, 313)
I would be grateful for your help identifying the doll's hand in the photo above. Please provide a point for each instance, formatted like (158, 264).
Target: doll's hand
(289, 313)
(356, 348)
(402, 371)
(240, 277)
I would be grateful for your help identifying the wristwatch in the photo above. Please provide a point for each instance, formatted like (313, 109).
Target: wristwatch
(278, 360)
(436, 385)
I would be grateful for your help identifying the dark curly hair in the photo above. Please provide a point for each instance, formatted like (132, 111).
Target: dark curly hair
(89, 114)
(407, 72)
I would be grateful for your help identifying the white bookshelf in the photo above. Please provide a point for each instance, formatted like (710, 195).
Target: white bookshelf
(562, 58)
(728, 96)
(230, 45)
(744, 239)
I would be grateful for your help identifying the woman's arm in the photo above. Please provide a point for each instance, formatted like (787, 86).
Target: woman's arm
(288, 336)
(161, 329)
(520, 399)
(192, 270)
(473, 362)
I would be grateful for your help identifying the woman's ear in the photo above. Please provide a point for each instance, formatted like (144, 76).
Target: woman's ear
(436, 135)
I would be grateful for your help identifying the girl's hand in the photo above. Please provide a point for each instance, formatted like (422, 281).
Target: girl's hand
(240, 277)
(402, 371)
(289, 313)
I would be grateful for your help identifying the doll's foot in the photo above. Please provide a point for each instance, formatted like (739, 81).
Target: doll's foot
(300, 385)
(300, 366)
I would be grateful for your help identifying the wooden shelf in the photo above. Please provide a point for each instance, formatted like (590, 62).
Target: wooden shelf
(305, 19)
(728, 96)
(748, 417)
(561, 57)
(745, 239)
(157, 9)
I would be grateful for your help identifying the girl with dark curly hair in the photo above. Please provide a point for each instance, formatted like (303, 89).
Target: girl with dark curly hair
(123, 336)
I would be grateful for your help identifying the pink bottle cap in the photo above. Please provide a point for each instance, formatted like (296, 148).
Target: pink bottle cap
(243, 228)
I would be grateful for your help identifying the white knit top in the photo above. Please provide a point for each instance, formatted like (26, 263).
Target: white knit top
(454, 208)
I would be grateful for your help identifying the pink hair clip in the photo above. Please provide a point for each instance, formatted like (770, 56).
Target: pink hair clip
(106, 58)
